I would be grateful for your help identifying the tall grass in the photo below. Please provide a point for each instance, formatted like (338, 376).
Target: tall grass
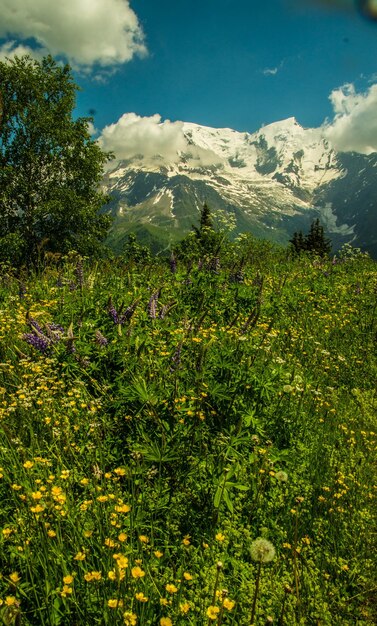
(156, 420)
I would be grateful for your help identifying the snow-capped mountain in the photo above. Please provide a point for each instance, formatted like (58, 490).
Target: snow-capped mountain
(271, 182)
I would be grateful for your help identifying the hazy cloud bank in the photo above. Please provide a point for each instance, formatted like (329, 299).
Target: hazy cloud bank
(103, 32)
(354, 127)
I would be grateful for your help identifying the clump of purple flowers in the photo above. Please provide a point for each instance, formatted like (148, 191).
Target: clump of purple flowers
(152, 304)
(101, 340)
(43, 339)
(120, 317)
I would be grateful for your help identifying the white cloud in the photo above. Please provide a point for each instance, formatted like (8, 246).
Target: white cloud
(354, 127)
(86, 32)
(270, 71)
(12, 49)
(133, 135)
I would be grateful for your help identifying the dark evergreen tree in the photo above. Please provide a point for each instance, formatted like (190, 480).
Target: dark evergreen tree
(315, 241)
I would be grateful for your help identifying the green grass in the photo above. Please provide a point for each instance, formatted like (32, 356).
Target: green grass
(137, 475)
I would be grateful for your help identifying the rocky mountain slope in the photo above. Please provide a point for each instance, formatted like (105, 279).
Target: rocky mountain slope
(271, 182)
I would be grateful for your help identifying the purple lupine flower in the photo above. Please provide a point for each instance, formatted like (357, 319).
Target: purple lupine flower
(54, 332)
(128, 313)
(113, 313)
(40, 341)
(79, 272)
(163, 311)
(176, 358)
(101, 340)
(152, 304)
(34, 324)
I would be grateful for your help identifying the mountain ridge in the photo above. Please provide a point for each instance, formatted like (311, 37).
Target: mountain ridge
(272, 182)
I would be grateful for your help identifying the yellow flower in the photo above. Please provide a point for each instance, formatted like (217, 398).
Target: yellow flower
(141, 597)
(187, 576)
(89, 576)
(14, 577)
(170, 588)
(130, 619)
(122, 537)
(123, 508)
(114, 603)
(137, 572)
(51, 533)
(120, 471)
(87, 533)
(184, 607)
(36, 495)
(158, 554)
(28, 464)
(228, 604)
(220, 537)
(143, 539)
(122, 562)
(164, 601)
(67, 580)
(166, 621)
(66, 591)
(80, 556)
(10, 601)
(109, 543)
(212, 612)
(186, 540)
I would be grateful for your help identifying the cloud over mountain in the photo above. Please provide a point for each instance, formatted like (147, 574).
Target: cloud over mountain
(354, 127)
(132, 135)
(104, 32)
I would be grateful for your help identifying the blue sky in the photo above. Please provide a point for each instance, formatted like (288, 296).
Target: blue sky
(214, 62)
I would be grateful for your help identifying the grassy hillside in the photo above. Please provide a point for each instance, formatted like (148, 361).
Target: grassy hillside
(189, 443)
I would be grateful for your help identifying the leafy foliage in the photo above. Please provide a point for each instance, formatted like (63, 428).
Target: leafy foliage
(50, 168)
(185, 447)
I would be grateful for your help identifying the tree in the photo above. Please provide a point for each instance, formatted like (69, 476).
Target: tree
(315, 241)
(50, 167)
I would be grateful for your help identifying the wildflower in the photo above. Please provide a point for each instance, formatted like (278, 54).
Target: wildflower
(141, 597)
(143, 539)
(14, 577)
(212, 612)
(67, 580)
(80, 556)
(28, 464)
(51, 533)
(40, 341)
(228, 604)
(186, 540)
(262, 550)
(166, 621)
(122, 537)
(170, 588)
(187, 576)
(184, 607)
(101, 340)
(114, 603)
(10, 601)
(89, 576)
(220, 537)
(130, 619)
(137, 572)
(158, 554)
(66, 591)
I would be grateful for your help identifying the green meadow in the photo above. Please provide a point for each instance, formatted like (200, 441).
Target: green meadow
(189, 442)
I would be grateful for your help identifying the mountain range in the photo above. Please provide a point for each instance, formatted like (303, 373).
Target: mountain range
(271, 183)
